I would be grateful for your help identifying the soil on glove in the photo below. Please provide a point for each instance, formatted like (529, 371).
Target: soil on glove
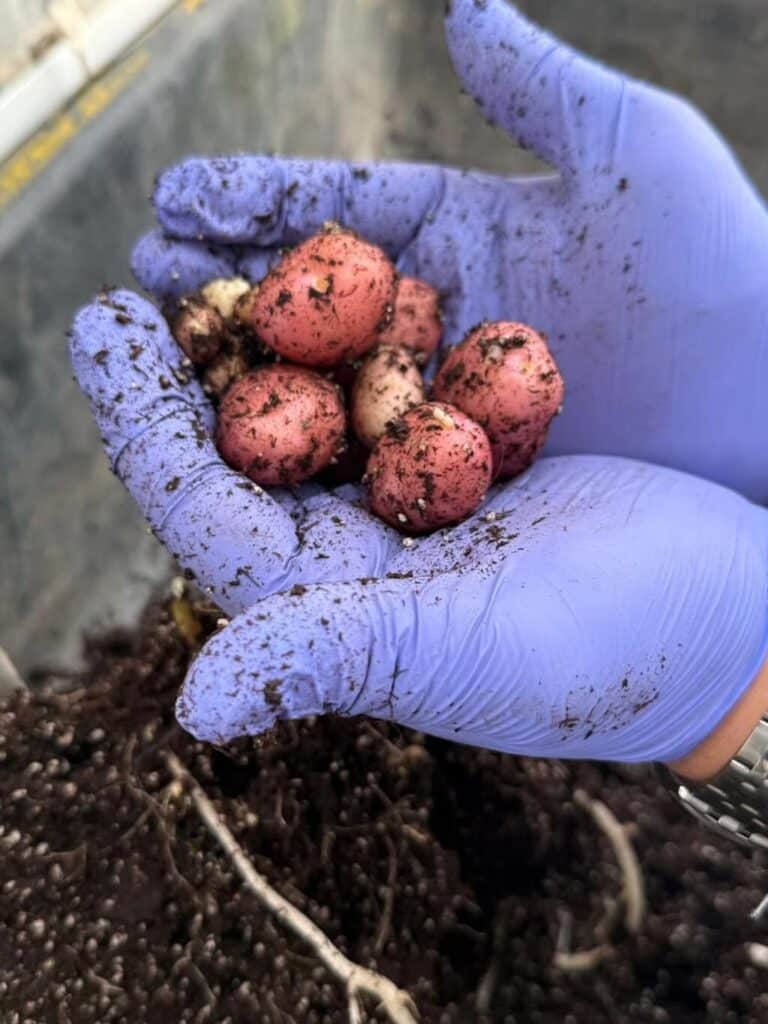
(451, 870)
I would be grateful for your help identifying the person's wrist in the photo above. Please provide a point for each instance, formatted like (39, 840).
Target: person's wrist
(714, 753)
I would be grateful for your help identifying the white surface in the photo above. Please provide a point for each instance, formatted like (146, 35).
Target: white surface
(113, 26)
(93, 41)
(24, 23)
(34, 95)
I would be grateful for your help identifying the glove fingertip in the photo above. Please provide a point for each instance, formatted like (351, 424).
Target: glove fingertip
(170, 269)
(95, 323)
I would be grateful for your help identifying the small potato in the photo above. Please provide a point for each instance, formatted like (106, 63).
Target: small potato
(432, 468)
(326, 302)
(199, 330)
(280, 424)
(229, 365)
(416, 322)
(224, 293)
(387, 386)
(504, 377)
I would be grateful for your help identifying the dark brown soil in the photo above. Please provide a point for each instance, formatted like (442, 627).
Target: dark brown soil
(452, 870)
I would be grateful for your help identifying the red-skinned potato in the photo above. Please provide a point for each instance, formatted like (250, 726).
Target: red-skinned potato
(416, 323)
(387, 385)
(431, 469)
(326, 302)
(504, 377)
(280, 424)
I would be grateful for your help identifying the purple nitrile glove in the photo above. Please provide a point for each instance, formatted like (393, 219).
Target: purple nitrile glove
(612, 610)
(595, 607)
(645, 258)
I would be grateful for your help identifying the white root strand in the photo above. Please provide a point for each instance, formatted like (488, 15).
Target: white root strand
(634, 886)
(584, 960)
(760, 910)
(354, 1010)
(358, 980)
(485, 989)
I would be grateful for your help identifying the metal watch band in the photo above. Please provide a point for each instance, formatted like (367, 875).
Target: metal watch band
(735, 802)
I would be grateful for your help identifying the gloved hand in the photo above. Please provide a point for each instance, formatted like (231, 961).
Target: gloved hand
(612, 610)
(645, 258)
(595, 607)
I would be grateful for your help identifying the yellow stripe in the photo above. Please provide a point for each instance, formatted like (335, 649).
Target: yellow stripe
(190, 6)
(34, 156)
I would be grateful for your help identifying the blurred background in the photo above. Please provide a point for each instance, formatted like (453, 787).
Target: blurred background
(96, 96)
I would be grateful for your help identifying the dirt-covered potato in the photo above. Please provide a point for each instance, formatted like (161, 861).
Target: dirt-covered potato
(228, 366)
(326, 302)
(199, 330)
(280, 424)
(431, 469)
(504, 377)
(416, 322)
(223, 294)
(387, 385)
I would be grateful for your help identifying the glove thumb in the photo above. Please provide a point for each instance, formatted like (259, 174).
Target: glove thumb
(551, 99)
(329, 648)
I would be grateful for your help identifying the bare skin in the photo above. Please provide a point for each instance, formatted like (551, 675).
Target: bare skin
(711, 756)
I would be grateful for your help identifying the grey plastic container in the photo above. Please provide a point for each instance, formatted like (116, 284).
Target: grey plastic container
(353, 78)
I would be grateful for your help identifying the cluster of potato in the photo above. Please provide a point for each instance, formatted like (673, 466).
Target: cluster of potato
(317, 370)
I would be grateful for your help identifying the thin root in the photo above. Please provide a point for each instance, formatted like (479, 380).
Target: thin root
(105, 987)
(358, 980)
(159, 812)
(489, 981)
(634, 887)
(354, 1009)
(584, 960)
(186, 964)
(385, 924)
